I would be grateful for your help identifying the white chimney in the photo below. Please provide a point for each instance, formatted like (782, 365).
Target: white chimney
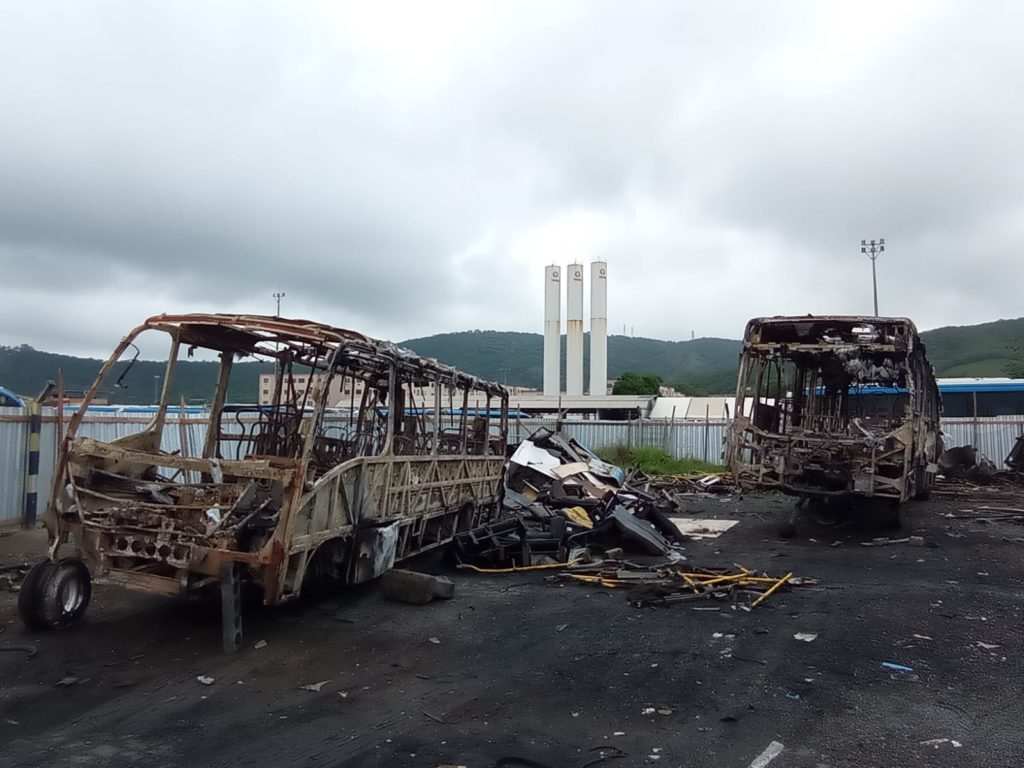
(574, 330)
(552, 330)
(599, 328)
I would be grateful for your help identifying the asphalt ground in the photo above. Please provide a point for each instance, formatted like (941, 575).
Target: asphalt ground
(519, 671)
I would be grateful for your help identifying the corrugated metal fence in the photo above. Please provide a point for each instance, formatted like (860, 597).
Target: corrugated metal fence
(700, 439)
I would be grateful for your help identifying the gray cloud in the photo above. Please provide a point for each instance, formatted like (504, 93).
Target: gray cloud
(406, 170)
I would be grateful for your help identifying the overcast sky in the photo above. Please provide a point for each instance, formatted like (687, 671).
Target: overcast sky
(408, 169)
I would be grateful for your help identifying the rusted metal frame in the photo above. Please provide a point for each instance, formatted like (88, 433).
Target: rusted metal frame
(787, 348)
(438, 426)
(103, 528)
(213, 430)
(319, 403)
(275, 326)
(126, 502)
(87, 446)
(278, 541)
(307, 541)
(759, 394)
(393, 410)
(156, 424)
(486, 448)
(463, 422)
(291, 506)
(420, 445)
(59, 431)
(504, 419)
(363, 424)
(57, 483)
(142, 581)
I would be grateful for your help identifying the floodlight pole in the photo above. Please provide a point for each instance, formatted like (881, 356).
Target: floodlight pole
(872, 249)
(277, 297)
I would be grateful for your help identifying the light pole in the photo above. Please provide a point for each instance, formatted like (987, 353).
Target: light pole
(872, 249)
(505, 372)
(280, 295)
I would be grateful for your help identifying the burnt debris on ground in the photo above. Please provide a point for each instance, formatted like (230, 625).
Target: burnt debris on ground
(573, 512)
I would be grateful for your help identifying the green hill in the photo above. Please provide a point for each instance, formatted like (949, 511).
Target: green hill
(701, 365)
(708, 364)
(989, 349)
(26, 370)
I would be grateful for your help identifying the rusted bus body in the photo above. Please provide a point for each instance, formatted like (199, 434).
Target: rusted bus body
(837, 406)
(279, 496)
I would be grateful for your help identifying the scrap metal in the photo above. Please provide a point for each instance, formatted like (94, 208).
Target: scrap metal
(566, 498)
(667, 583)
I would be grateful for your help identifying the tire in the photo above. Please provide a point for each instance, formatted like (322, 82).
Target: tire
(30, 597)
(73, 588)
(55, 595)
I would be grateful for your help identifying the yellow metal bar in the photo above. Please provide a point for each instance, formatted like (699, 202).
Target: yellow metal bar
(720, 579)
(612, 583)
(771, 589)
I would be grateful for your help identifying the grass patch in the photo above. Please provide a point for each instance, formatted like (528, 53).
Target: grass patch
(655, 461)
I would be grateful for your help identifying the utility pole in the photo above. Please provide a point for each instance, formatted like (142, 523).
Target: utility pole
(280, 295)
(872, 249)
(504, 373)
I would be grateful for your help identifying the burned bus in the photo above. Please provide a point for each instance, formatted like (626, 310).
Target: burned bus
(284, 497)
(835, 406)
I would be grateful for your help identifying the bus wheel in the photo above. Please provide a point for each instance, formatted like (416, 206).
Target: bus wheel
(55, 595)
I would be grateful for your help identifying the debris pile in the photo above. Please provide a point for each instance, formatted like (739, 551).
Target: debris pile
(668, 583)
(670, 486)
(963, 463)
(1015, 458)
(11, 576)
(566, 501)
(989, 514)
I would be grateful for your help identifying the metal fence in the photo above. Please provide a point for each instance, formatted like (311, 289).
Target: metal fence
(701, 439)
(993, 437)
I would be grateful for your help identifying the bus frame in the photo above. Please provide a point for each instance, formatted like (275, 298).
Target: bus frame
(839, 406)
(278, 500)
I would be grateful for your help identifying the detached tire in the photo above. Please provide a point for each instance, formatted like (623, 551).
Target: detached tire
(55, 595)
(31, 596)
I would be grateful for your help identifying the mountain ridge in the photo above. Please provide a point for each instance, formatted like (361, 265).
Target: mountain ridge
(705, 365)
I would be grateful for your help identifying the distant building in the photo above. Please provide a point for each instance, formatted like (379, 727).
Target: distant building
(352, 393)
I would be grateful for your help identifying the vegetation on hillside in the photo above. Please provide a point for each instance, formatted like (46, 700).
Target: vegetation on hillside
(989, 349)
(708, 365)
(26, 370)
(631, 383)
(698, 367)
